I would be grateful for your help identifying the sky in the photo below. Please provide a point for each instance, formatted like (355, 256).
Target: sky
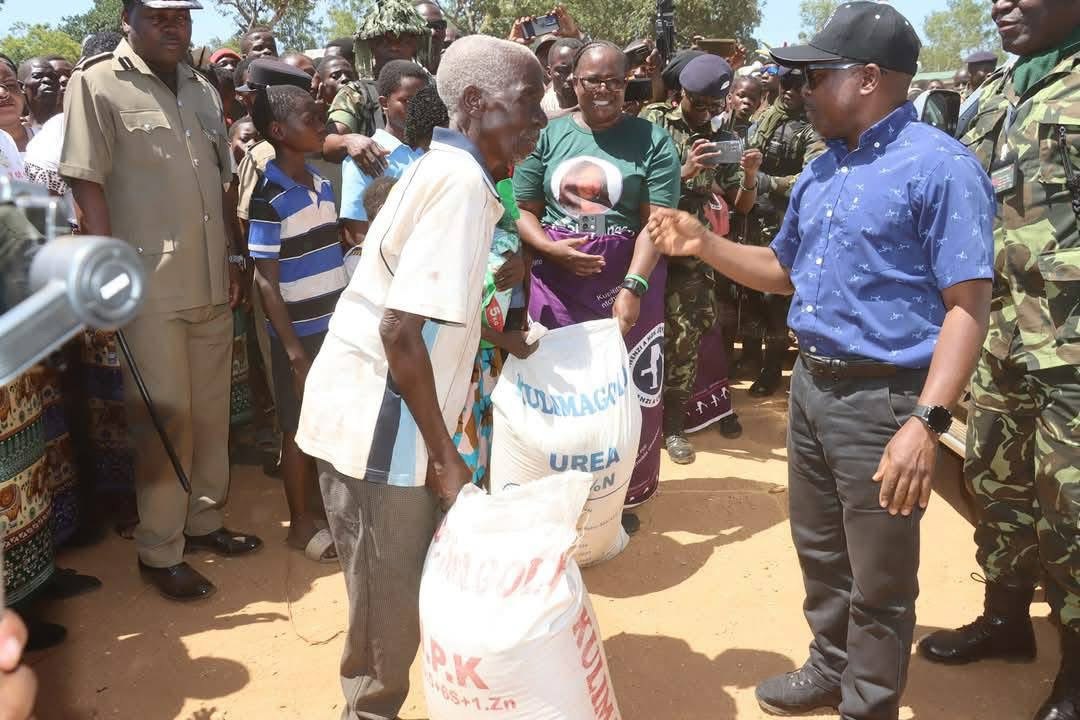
(780, 18)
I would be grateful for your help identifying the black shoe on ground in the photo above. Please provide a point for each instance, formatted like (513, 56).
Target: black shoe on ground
(680, 450)
(631, 523)
(749, 362)
(767, 383)
(223, 542)
(730, 427)
(1003, 631)
(179, 582)
(795, 693)
(1064, 700)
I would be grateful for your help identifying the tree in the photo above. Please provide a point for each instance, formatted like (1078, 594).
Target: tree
(617, 20)
(952, 34)
(814, 14)
(104, 15)
(343, 17)
(294, 22)
(27, 41)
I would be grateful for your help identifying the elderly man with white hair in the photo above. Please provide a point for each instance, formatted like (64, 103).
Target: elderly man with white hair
(384, 393)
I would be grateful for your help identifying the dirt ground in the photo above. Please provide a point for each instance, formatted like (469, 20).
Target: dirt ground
(704, 602)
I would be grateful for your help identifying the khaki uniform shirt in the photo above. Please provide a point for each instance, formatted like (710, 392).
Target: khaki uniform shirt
(1030, 145)
(163, 160)
(247, 174)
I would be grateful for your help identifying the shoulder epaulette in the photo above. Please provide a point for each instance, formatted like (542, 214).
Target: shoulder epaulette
(93, 60)
(126, 63)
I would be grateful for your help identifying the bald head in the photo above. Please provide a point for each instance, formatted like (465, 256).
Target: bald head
(485, 63)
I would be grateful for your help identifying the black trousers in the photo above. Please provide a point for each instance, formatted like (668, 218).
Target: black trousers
(860, 564)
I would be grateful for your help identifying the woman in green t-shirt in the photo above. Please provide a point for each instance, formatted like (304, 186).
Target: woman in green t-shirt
(585, 195)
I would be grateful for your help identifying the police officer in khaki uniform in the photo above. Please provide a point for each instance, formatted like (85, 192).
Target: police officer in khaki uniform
(148, 161)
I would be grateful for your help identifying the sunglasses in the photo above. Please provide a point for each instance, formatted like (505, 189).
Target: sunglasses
(592, 84)
(437, 25)
(770, 70)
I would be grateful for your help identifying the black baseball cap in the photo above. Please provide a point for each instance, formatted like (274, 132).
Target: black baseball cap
(266, 72)
(862, 31)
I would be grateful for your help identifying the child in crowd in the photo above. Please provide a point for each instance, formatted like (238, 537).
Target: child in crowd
(300, 272)
(374, 198)
(242, 135)
(398, 82)
(503, 285)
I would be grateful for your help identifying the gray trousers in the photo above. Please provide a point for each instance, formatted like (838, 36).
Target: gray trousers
(382, 533)
(860, 564)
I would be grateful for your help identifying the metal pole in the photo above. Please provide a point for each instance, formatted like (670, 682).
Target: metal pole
(180, 474)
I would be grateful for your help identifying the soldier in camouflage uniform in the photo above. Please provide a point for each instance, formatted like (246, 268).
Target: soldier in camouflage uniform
(788, 143)
(690, 299)
(392, 30)
(1023, 452)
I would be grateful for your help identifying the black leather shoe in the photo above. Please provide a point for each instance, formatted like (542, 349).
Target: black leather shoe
(680, 450)
(223, 542)
(1003, 631)
(795, 693)
(631, 523)
(767, 383)
(1064, 700)
(179, 582)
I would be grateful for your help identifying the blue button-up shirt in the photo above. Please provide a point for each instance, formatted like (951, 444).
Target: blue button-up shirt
(872, 237)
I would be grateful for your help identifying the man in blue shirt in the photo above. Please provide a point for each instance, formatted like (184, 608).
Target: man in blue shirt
(886, 247)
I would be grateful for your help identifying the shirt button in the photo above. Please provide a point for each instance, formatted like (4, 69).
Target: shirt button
(809, 308)
(179, 103)
(146, 127)
(196, 162)
(188, 133)
(828, 213)
(206, 218)
(844, 170)
(877, 144)
(139, 250)
(818, 261)
(813, 348)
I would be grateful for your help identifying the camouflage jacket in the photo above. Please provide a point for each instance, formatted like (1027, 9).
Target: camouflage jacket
(788, 143)
(696, 190)
(1030, 145)
(356, 106)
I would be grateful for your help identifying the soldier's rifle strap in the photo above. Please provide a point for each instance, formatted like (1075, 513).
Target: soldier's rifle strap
(1072, 180)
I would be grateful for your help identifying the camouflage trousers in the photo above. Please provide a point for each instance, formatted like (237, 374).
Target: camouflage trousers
(689, 313)
(1023, 465)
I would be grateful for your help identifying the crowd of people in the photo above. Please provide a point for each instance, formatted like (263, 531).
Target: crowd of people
(344, 247)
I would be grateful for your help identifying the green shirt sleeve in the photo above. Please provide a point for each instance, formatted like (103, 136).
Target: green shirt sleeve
(663, 177)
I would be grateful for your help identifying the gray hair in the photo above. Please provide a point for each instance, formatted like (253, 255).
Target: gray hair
(480, 61)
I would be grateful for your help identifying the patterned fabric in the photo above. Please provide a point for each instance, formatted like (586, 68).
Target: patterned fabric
(1029, 143)
(59, 459)
(473, 436)
(25, 500)
(241, 404)
(1023, 465)
(112, 457)
(873, 236)
(356, 106)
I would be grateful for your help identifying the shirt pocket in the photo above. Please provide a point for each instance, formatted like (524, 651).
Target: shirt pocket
(1053, 156)
(149, 136)
(1060, 270)
(981, 137)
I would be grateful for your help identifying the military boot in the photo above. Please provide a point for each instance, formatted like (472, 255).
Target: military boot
(1003, 631)
(772, 371)
(1064, 700)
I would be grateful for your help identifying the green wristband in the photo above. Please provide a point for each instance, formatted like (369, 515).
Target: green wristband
(643, 281)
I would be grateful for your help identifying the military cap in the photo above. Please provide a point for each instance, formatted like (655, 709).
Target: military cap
(708, 75)
(983, 57)
(391, 16)
(268, 72)
(166, 4)
(675, 66)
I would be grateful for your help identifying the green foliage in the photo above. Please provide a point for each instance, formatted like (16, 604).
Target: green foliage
(343, 17)
(27, 41)
(295, 22)
(814, 14)
(617, 20)
(957, 31)
(104, 15)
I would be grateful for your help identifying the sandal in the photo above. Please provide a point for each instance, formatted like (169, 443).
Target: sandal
(320, 548)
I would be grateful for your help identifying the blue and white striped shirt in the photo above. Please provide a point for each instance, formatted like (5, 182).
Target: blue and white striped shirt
(298, 227)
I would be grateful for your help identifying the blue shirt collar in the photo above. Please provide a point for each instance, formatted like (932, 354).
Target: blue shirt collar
(883, 132)
(277, 176)
(453, 138)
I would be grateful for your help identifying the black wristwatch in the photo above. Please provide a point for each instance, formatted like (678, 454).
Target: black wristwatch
(936, 417)
(635, 286)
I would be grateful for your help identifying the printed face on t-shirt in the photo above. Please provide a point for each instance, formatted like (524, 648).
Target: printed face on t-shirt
(586, 186)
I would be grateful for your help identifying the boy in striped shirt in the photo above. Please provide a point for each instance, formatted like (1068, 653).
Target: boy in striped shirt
(300, 272)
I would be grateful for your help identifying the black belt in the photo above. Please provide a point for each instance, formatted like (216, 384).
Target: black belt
(839, 369)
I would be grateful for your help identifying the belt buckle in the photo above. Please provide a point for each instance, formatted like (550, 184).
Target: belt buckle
(836, 366)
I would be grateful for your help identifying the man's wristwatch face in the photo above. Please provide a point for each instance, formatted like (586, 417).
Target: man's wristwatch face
(937, 417)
